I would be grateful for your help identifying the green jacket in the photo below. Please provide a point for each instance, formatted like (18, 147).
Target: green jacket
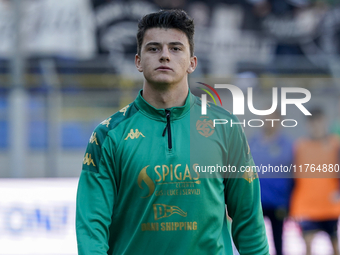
(144, 190)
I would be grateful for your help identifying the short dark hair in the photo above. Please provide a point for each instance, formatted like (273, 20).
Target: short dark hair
(177, 19)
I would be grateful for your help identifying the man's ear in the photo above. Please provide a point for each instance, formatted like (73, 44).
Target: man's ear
(138, 63)
(193, 64)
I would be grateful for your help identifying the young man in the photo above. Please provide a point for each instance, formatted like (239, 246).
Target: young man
(140, 190)
(315, 200)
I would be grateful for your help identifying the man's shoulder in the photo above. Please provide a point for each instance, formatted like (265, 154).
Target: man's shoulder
(93, 152)
(112, 122)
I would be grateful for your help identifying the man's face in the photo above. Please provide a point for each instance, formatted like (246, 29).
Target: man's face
(165, 57)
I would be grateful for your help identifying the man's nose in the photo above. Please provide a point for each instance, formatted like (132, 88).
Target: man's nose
(165, 54)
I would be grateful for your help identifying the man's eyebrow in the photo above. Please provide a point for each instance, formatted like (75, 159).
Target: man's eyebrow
(157, 43)
(176, 43)
(152, 43)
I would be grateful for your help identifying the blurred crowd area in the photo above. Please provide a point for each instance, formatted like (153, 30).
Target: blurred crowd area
(83, 51)
(74, 61)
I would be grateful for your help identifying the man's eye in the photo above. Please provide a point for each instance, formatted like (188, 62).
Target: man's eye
(153, 49)
(176, 49)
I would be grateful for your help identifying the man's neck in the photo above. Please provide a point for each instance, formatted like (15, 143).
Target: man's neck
(165, 97)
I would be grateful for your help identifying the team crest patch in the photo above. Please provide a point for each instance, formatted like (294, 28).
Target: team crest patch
(205, 127)
(250, 176)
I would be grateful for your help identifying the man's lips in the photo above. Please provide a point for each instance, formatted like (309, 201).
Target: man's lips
(164, 68)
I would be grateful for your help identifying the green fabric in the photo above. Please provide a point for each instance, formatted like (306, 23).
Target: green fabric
(138, 196)
(335, 128)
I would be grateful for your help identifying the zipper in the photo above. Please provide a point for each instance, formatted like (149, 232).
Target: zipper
(167, 127)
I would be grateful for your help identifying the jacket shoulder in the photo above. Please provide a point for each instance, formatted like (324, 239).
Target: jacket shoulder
(114, 120)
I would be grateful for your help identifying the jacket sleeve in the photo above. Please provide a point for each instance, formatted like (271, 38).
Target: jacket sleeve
(242, 195)
(96, 195)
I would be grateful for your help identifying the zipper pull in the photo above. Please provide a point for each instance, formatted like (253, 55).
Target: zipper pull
(164, 130)
(167, 121)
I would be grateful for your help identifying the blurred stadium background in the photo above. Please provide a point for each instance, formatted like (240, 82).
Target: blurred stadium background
(67, 65)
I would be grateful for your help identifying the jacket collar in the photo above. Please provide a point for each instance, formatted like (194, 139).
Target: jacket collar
(154, 113)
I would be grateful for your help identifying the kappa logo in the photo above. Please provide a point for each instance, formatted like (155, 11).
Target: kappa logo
(88, 160)
(164, 211)
(134, 135)
(93, 138)
(124, 109)
(205, 127)
(106, 122)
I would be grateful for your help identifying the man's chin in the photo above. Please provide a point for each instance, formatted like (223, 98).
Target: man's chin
(161, 82)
